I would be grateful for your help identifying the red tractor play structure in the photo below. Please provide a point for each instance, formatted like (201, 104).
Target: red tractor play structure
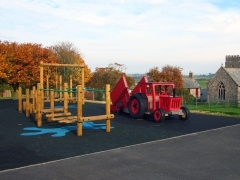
(148, 98)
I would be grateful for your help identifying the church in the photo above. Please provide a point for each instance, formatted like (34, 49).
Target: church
(224, 86)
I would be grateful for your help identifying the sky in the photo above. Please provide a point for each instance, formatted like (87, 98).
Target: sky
(139, 34)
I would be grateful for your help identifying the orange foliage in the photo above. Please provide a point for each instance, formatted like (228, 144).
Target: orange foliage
(20, 62)
(172, 74)
(3, 62)
(167, 74)
(154, 75)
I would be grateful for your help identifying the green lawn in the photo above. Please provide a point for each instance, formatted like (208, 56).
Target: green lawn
(203, 83)
(222, 109)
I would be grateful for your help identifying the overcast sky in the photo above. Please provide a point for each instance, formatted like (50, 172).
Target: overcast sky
(195, 35)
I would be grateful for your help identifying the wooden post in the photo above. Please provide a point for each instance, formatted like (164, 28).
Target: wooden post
(41, 83)
(70, 86)
(30, 101)
(60, 87)
(47, 92)
(49, 119)
(65, 100)
(34, 99)
(108, 122)
(39, 106)
(79, 110)
(37, 102)
(56, 93)
(20, 99)
(27, 108)
(83, 84)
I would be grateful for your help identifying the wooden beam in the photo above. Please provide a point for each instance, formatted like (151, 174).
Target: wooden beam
(20, 99)
(62, 65)
(67, 121)
(64, 118)
(79, 110)
(59, 114)
(96, 118)
(49, 110)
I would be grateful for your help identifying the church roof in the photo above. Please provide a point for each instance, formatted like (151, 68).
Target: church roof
(190, 83)
(234, 73)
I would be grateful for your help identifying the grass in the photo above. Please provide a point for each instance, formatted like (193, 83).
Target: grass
(202, 83)
(219, 109)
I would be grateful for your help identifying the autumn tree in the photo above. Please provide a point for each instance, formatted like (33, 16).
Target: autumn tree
(3, 61)
(67, 53)
(172, 74)
(167, 74)
(108, 75)
(154, 74)
(21, 62)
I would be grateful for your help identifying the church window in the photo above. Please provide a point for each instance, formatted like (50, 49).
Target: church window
(221, 91)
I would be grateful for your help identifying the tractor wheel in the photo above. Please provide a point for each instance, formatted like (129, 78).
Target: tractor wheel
(158, 115)
(186, 114)
(119, 107)
(137, 106)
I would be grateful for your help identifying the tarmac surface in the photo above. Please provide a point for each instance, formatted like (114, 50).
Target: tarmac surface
(204, 147)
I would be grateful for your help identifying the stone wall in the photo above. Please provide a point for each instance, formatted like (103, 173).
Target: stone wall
(238, 97)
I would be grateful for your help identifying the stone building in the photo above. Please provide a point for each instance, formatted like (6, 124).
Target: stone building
(192, 85)
(224, 86)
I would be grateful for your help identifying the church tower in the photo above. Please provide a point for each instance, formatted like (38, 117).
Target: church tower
(232, 61)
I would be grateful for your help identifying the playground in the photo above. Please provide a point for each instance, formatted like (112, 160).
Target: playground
(205, 147)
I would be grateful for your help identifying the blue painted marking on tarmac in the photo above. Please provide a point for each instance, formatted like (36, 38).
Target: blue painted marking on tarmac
(62, 131)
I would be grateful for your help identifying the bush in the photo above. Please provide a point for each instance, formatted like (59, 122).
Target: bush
(187, 97)
(99, 96)
(3, 87)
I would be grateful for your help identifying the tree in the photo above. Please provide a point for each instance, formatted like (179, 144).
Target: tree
(108, 75)
(67, 53)
(154, 74)
(172, 74)
(21, 62)
(167, 74)
(3, 62)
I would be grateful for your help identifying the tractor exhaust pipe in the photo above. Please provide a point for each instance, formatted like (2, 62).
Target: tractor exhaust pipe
(174, 92)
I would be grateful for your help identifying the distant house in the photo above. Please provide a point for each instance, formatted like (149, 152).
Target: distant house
(224, 86)
(192, 85)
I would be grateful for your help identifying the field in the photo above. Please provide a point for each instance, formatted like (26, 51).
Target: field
(202, 83)
(214, 108)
